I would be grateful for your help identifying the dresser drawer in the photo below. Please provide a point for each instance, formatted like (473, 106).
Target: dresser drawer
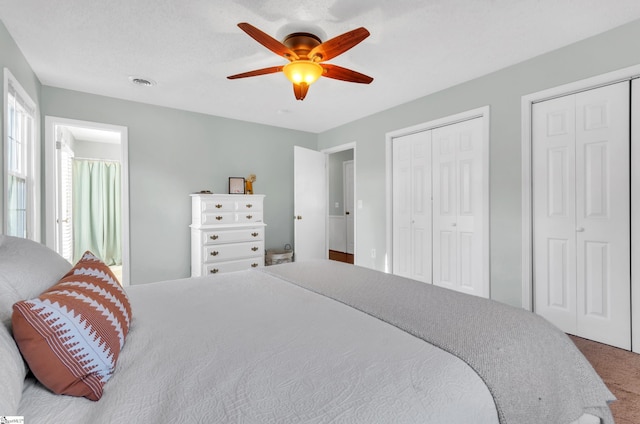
(226, 252)
(218, 218)
(218, 205)
(232, 236)
(249, 205)
(248, 216)
(209, 269)
(231, 218)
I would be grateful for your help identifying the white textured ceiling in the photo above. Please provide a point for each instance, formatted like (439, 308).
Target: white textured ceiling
(188, 47)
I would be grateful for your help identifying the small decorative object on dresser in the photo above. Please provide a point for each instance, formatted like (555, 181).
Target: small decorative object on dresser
(227, 233)
(236, 185)
(249, 183)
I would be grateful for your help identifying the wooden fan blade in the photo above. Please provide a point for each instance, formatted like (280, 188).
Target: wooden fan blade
(338, 45)
(344, 74)
(268, 41)
(300, 90)
(257, 72)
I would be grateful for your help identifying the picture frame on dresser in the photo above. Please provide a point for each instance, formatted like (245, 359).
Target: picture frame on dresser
(236, 185)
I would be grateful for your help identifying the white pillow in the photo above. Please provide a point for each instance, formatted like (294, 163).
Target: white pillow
(27, 268)
(12, 373)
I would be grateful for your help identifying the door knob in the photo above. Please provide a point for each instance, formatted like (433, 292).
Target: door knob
(347, 213)
(580, 229)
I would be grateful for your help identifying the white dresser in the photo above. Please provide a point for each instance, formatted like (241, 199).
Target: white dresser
(227, 233)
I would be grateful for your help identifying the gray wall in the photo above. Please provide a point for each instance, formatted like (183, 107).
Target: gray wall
(173, 153)
(84, 149)
(502, 91)
(11, 57)
(336, 181)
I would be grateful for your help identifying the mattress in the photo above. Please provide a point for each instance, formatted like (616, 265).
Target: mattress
(250, 347)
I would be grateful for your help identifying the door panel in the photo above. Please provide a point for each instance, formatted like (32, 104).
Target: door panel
(557, 281)
(554, 211)
(581, 204)
(402, 207)
(412, 206)
(64, 184)
(603, 215)
(458, 206)
(310, 198)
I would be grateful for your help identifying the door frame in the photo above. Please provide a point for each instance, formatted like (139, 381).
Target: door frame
(327, 152)
(483, 112)
(527, 101)
(353, 205)
(50, 181)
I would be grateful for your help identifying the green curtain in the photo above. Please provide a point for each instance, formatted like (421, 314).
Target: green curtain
(96, 210)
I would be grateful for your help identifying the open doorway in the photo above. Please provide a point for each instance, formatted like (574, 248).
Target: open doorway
(341, 207)
(87, 191)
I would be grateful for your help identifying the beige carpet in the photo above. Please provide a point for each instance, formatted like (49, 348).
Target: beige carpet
(620, 370)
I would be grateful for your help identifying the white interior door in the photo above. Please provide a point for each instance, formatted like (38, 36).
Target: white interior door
(64, 187)
(310, 198)
(349, 204)
(458, 207)
(554, 202)
(581, 201)
(603, 199)
(412, 206)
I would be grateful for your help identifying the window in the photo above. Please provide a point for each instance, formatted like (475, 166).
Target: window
(21, 215)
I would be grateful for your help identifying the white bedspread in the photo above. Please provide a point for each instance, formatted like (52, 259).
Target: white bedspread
(248, 347)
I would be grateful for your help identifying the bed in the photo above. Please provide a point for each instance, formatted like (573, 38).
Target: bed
(313, 342)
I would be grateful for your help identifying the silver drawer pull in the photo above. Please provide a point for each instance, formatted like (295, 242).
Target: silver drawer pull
(218, 217)
(254, 265)
(249, 216)
(214, 253)
(254, 248)
(214, 270)
(255, 234)
(218, 206)
(249, 205)
(214, 237)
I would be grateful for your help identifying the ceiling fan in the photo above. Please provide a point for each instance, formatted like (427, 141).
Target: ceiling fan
(306, 54)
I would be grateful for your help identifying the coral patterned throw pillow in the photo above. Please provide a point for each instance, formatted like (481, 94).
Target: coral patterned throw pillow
(71, 335)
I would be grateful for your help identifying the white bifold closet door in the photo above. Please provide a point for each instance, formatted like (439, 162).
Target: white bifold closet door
(581, 213)
(412, 206)
(458, 239)
(438, 231)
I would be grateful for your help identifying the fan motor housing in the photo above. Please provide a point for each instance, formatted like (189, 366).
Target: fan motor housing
(301, 43)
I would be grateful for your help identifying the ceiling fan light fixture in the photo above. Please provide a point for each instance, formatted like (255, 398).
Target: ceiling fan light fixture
(300, 71)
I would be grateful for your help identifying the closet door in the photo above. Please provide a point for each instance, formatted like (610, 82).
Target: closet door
(581, 213)
(412, 206)
(554, 203)
(603, 202)
(458, 261)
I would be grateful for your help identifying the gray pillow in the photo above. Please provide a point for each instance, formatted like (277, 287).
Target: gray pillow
(12, 373)
(27, 268)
